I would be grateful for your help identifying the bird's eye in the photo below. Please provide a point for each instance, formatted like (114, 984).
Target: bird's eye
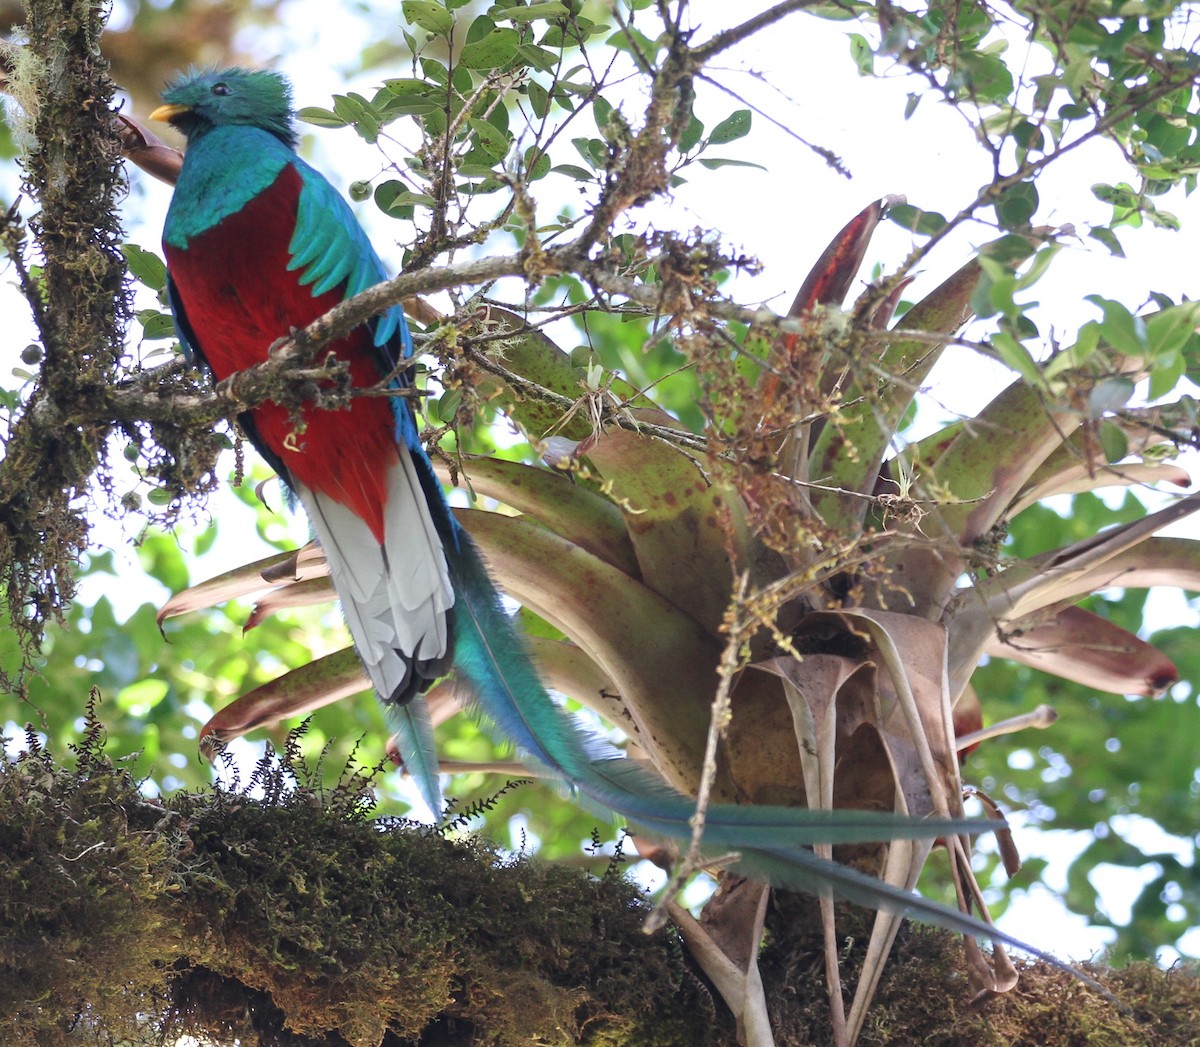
(220, 89)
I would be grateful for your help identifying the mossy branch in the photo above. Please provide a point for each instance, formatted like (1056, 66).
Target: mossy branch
(79, 302)
(298, 917)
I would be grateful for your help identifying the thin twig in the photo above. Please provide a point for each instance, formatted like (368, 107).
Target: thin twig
(727, 39)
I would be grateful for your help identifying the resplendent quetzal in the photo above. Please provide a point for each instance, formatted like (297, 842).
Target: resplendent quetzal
(258, 243)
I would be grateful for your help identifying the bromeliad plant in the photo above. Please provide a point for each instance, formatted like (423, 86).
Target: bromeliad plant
(788, 606)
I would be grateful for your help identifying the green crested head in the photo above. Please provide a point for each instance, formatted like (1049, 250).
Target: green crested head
(200, 100)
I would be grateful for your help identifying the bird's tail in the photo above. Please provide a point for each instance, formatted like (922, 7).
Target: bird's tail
(772, 842)
(397, 599)
(491, 658)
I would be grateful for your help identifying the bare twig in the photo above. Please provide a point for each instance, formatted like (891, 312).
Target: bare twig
(727, 39)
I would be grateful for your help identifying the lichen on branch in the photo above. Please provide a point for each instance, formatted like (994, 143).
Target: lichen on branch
(79, 300)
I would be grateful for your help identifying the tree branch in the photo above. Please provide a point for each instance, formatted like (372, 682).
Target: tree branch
(724, 41)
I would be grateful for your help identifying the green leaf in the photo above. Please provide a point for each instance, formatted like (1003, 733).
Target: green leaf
(864, 57)
(1169, 136)
(1113, 441)
(995, 291)
(1016, 356)
(478, 29)
(691, 135)
(985, 76)
(1108, 238)
(733, 127)
(146, 266)
(539, 98)
(156, 324)
(713, 162)
(1037, 268)
(140, 697)
(602, 109)
(1016, 205)
(538, 57)
(593, 151)
(396, 200)
(534, 12)
(1120, 195)
(446, 405)
(580, 174)
(1169, 330)
(1165, 374)
(490, 139)
(537, 164)
(428, 15)
(1071, 357)
(1111, 394)
(1122, 330)
(1010, 250)
(925, 223)
(463, 81)
(435, 71)
(483, 168)
(1028, 135)
(408, 97)
(355, 110)
(1160, 219)
(320, 117)
(498, 48)
(633, 41)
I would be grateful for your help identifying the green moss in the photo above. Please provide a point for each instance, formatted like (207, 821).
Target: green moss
(285, 913)
(79, 301)
(84, 884)
(924, 997)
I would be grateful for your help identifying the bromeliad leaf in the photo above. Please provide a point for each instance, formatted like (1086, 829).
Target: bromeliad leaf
(296, 693)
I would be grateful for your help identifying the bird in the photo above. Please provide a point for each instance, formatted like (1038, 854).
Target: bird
(259, 243)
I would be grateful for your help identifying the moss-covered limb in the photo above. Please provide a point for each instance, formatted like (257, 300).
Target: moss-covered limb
(924, 998)
(299, 919)
(79, 300)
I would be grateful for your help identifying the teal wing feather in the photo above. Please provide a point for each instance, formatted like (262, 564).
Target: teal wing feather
(332, 250)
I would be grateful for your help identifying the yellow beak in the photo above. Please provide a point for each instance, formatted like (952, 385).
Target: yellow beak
(168, 112)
